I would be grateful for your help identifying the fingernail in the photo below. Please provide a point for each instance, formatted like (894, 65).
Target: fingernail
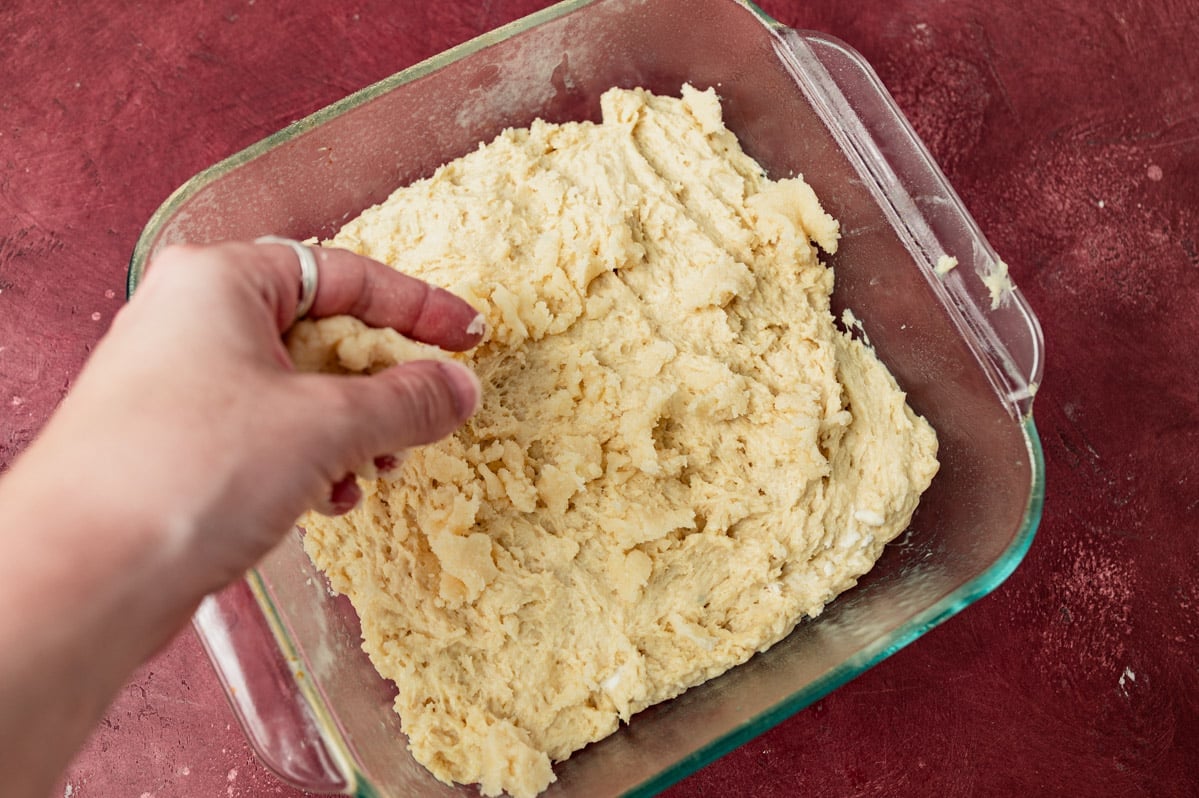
(465, 386)
(389, 463)
(344, 495)
(477, 326)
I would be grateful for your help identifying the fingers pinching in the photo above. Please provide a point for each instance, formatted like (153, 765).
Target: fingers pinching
(408, 405)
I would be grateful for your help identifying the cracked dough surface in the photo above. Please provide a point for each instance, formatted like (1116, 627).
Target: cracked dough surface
(678, 456)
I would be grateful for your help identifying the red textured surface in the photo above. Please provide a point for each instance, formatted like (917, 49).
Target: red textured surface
(1071, 130)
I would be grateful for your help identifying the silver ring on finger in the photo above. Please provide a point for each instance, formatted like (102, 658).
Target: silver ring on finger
(308, 272)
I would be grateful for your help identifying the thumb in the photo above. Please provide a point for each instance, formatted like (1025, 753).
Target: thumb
(411, 404)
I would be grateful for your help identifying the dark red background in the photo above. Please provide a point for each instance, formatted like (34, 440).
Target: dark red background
(1071, 130)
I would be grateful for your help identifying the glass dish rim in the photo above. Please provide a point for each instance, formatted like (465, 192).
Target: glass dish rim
(953, 603)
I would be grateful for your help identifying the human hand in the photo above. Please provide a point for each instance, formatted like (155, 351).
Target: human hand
(190, 415)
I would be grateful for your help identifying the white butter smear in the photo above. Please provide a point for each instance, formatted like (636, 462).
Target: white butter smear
(870, 517)
(998, 283)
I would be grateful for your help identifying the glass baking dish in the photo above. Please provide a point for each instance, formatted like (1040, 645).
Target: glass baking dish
(288, 652)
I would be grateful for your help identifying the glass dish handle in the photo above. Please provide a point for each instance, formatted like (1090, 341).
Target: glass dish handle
(925, 211)
(262, 687)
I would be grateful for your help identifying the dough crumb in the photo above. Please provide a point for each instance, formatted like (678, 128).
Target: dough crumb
(945, 264)
(678, 456)
(998, 283)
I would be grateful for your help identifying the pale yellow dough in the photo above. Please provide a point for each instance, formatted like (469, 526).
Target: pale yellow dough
(678, 456)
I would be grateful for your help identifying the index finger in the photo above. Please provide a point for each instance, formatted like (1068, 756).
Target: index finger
(350, 284)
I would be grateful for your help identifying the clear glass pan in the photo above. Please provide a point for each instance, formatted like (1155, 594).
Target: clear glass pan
(289, 653)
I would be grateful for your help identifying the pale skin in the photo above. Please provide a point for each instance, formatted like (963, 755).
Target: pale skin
(186, 448)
